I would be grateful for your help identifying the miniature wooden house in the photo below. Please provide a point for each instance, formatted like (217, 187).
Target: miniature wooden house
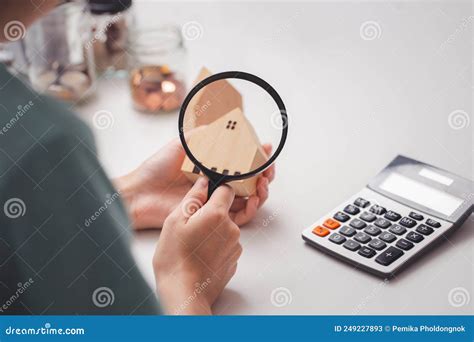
(229, 145)
(211, 102)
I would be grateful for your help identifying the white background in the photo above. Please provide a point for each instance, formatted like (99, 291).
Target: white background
(354, 104)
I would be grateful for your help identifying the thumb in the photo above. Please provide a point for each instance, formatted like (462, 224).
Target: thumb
(194, 199)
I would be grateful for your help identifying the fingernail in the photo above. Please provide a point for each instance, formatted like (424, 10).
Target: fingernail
(201, 182)
(257, 201)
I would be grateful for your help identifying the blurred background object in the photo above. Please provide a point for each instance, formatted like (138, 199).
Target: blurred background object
(61, 64)
(6, 55)
(157, 66)
(111, 22)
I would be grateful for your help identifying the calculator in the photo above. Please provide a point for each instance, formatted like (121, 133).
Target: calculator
(400, 214)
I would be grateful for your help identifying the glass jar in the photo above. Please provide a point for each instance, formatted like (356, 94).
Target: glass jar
(157, 69)
(60, 63)
(111, 22)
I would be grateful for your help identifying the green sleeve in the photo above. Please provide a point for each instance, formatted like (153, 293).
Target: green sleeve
(64, 237)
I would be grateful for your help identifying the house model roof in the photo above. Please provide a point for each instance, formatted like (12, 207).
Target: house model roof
(229, 145)
(211, 102)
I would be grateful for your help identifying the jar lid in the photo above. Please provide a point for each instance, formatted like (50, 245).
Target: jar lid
(108, 7)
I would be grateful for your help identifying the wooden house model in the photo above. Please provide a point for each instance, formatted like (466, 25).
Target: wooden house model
(228, 145)
(211, 102)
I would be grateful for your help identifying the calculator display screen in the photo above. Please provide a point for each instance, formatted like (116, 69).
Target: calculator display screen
(420, 193)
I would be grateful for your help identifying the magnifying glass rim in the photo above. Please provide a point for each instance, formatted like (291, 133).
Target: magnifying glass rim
(243, 76)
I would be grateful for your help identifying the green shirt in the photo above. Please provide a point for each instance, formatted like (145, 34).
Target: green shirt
(64, 232)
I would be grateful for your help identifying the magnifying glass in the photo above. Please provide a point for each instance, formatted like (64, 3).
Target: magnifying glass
(227, 124)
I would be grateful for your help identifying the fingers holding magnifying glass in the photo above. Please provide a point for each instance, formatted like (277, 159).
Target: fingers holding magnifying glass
(243, 210)
(270, 172)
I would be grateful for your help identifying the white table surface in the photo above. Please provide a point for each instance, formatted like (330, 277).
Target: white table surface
(353, 104)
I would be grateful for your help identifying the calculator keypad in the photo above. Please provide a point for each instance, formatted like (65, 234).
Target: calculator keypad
(358, 224)
(375, 232)
(433, 223)
(331, 224)
(337, 238)
(367, 252)
(347, 231)
(341, 217)
(377, 209)
(352, 245)
(388, 256)
(407, 222)
(392, 215)
(416, 216)
(404, 244)
(415, 237)
(425, 230)
(382, 223)
(368, 217)
(360, 202)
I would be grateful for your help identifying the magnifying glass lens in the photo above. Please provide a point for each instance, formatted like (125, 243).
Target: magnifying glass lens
(231, 128)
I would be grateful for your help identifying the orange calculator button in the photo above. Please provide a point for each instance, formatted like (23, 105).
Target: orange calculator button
(331, 224)
(320, 231)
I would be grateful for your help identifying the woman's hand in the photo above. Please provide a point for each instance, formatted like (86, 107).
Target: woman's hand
(155, 188)
(197, 253)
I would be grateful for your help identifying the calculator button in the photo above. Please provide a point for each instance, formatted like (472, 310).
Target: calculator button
(371, 230)
(388, 256)
(347, 231)
(433, 223)
(404, 244)
(387, 237)
(392, 216)
(407, 222)
(352, 209)
(358, 224)
(341, 217)
(425, 230)
(351, 245)
(377, 209)
(362, 237)
(366, 252)
(415, 237)
(382, 223)
(320, 231)
(360, 202)
(377, 244)
(337, 238)
(397, 229)
(416, 216)
(368, 217)
(331, 224)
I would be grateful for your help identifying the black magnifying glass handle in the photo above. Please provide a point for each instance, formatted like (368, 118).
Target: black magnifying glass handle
(212, 186)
